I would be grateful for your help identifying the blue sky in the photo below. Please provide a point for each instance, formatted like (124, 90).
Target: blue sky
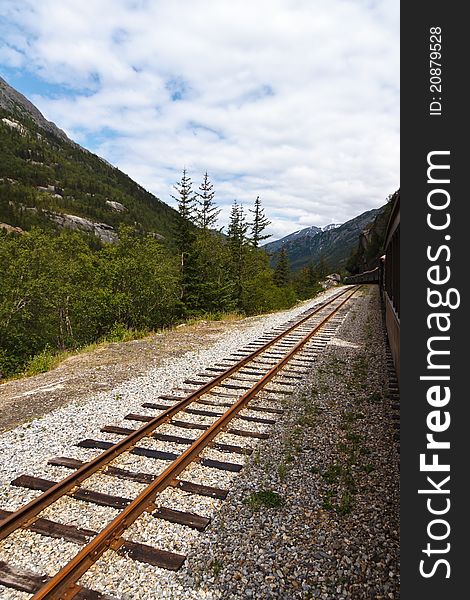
(296, 101)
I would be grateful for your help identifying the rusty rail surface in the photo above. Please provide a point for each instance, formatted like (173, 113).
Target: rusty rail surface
(30, 510)
(64, 584)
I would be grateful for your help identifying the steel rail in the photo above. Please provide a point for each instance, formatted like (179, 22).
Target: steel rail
(27, 513)
(63, 585)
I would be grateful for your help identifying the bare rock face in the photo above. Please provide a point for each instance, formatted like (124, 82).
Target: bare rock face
(331, 280)
(371, 239)
(104, 231)
(14, 125)
(10, 229)
(14, 102)
(117, 206)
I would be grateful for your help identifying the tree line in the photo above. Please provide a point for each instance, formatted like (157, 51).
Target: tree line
(62, 290)
(223, 272)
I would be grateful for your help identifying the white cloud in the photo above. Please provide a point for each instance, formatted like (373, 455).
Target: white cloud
(293, 100)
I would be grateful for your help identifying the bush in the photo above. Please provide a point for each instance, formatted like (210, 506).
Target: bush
(59, 293)
(260, 294)
(42, 362)
(122, 333)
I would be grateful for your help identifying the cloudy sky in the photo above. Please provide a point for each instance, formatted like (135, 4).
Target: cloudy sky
(296, 101)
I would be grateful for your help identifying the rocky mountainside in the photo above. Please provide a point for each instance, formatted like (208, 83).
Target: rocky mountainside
(48, 180)
(18, 105)
(365, 255)
(308, 232)
(334, 243)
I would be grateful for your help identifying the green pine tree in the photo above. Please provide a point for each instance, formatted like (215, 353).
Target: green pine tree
(282, 270)
(185, 232)
(206, 211)
(212, 289)
(259, 224)
(185, 200)
(237, 242)
(321, 269)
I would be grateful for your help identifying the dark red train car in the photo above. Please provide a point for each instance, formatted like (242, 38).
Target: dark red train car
(391, 281)
(387, 275)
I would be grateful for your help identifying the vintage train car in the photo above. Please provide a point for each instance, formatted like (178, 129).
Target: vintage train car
(391, 281)
(372, 276)
(387, 275)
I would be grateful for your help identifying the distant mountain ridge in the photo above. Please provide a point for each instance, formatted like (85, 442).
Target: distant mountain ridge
(333, 243)
(307, 232)
(50, 181)
(331, 226)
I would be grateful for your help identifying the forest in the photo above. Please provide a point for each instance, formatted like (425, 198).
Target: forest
(63, 290)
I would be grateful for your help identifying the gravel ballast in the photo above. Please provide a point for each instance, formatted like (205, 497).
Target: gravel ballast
(331, 464)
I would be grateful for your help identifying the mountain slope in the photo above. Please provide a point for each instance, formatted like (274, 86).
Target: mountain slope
(49, 181)
(333, 244)
(18, 105)
(365, 255)
(308, 232)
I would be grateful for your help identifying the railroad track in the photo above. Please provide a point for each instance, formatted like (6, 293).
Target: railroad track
(232, 397)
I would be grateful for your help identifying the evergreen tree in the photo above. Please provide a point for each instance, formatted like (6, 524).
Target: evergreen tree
(282, 270)
(311, 274)
(207, 212)
(237, 228)
(185, 231)
(305, 282)
(212, 289)
(321, 268)
(259, 224)
(185, 199)
(237, 240)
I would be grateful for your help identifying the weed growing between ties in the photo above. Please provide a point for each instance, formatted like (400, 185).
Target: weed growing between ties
(282, 471)
(351, 417)
(359, 374)
(368, 329)
(340, 477)
(292, 441)
(336, 365)
(216, 567)
(376, 398)
(264, 498)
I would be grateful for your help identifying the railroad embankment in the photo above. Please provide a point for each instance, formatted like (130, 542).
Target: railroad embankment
(316, 512)
(311, 509)
(79, 378)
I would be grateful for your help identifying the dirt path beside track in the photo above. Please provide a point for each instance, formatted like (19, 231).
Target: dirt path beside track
(99, 370)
